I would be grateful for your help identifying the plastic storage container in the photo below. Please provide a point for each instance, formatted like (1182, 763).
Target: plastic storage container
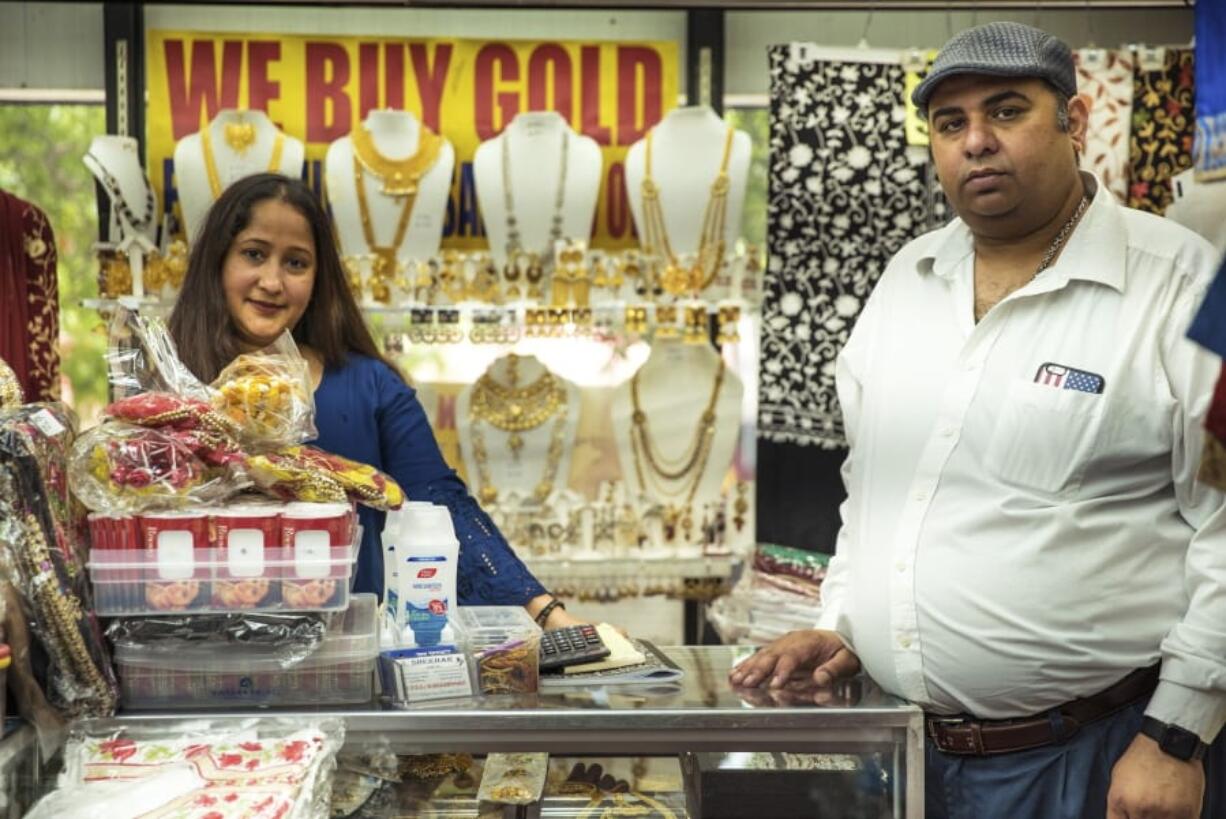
(341, 670)
(179, 566)
(505, 646)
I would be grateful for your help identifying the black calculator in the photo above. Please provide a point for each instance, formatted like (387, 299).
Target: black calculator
(572, 645)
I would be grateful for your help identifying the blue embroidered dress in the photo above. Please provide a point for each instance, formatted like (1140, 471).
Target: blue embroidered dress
(364, 411)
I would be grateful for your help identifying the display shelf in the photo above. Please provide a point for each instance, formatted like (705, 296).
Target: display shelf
(612, 578)
(700, 713)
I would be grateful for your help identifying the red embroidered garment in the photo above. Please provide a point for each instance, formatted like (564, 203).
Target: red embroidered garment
(29, 291)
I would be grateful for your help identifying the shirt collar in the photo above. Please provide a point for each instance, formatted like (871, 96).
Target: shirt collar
(1097, 251)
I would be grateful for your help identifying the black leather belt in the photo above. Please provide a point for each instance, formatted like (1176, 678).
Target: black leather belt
(976, 737)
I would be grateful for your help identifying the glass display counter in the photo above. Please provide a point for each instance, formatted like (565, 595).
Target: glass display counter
(696, 748)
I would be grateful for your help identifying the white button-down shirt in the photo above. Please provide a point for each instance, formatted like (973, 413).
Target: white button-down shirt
(1023, 525)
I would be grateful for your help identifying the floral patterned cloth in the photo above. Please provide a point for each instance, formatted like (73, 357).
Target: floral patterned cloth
(1163, 120)
(29, 291)
(1106, 78)
(845, 195)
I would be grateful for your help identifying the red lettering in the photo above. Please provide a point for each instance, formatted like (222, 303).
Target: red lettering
(617, 203)
(543, 57)
(630, 60)
(393, 59)
(189, 94)
(368, 78)
(260, 89)
(589, 96)
(430, 81)
(327, 74)
(502, 56)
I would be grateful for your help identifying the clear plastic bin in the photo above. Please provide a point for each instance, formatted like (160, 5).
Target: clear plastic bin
(130, 582)
(340, 671)
(505, 645)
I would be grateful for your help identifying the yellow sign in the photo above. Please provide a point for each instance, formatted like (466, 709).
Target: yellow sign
(318, 88)
(917, 65)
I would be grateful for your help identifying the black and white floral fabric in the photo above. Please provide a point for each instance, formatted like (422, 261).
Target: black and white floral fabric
(846, 194)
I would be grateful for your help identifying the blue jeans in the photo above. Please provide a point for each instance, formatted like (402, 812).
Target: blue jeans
(1065, 781)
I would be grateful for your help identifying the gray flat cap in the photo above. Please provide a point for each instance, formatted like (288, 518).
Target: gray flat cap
(1001, 49)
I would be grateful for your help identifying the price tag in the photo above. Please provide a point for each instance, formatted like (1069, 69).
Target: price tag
(47, 423)
(1092, 59)
(175, 555)
(245, 552)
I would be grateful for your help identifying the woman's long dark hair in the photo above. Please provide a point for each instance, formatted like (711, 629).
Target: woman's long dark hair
(201, 325)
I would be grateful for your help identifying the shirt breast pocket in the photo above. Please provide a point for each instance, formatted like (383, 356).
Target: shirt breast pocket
(1045, 437)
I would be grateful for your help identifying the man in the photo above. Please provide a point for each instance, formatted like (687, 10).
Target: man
(1025, 549)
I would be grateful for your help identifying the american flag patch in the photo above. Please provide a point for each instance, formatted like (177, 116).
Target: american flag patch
(1068, 378)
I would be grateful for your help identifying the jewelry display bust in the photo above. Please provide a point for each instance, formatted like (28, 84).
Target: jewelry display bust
(688, 149)
(406, 172)
(235, 144)
(516, 426)
(676, 424)
(115, 162)
(537, 182)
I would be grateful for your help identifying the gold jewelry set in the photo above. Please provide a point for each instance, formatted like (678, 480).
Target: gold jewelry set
(239, 137)
(115, 271)
(691, 276)
(516, 409)
(673, 478)
(399, 179)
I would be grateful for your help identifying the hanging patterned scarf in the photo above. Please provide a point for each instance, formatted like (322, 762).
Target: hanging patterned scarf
(29, 327)
(1162, 126)
(1106, 77)
(845, 196)
(1210, 146)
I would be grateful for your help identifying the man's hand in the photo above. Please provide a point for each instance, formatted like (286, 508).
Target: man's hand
(821, 651)
(1149, 784)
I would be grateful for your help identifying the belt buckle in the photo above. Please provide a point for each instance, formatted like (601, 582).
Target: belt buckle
(970, 744)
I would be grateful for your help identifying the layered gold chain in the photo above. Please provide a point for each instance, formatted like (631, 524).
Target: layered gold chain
(677, 279)
(687, 470)
(515, 410)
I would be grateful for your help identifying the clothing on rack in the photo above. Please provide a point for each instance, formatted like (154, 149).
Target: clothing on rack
(1163, 119)
(1106, 78)
(1209, 148)
(29, 291)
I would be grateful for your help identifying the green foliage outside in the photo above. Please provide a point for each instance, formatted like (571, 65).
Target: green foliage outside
(40, 161)
(754, 121)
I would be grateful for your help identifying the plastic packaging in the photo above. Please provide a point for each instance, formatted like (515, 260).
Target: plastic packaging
(426, 553)
(513, 779)
(141, 357)
(254, 769)
(221, 673)
(304, 473)
(505, 643)
(42, 530)
(126, 468)
(268, 395)
(286, 638)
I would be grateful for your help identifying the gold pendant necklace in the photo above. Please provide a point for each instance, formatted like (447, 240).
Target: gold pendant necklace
(400, 177)
(516, 409)
(385, 266)
(676, 278)
(486, 490)
(240, 136)
(210, 163)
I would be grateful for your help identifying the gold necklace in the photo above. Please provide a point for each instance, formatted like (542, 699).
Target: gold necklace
(400, 177)
(487, 492)
(686, 470)
(676, 279)
(239, 136)
(386, 262)
(516, 409)
(210, 164)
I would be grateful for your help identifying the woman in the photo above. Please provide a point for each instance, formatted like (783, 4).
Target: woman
(265, 261)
